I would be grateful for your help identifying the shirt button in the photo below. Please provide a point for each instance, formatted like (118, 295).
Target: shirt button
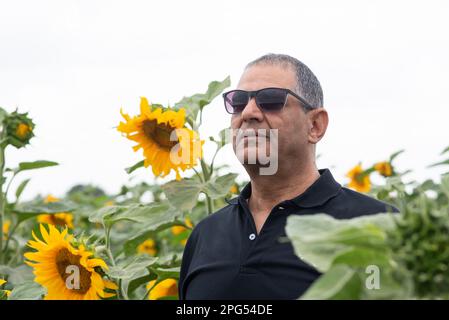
(252, 236)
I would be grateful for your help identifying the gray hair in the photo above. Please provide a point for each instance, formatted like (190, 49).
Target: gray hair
(307, 84)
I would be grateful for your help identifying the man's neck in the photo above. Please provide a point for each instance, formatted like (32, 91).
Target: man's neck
(269, 190)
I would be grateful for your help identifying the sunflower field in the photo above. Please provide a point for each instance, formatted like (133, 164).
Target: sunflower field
(92, 245)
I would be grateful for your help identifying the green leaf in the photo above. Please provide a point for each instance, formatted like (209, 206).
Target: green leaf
(151, 216)
(183, 194)
(18, 274)
(136, 166)
(445, 162)
(318, 239)
(137, 267)
(362, 257)
(31, 209)
(219, 187)
(128, 271)
(394, 155)
(23, 166)
(340, 282)
(166, 273)
(21, 187)
(28, 290)
(445, 150)
(445, 185)
(195, 103)
(147, 231)
(222, 138)
(3, 115)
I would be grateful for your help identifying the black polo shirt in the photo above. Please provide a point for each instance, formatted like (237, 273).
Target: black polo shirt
(225, 258)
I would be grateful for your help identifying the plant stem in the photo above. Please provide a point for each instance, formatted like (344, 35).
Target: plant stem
(2, 199)
(210, 205)
(213, 160)
(112, 260)
(198, 175)
(10, 236)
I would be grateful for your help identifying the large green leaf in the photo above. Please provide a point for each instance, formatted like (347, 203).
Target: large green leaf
(140, 270)
(28, 290)
(130, 270)
(31, 209)
(18, 274)
(149, 230)
(340, 282)
(318, 239)
(183, 194)
(195, 103)
(166, 273)
(219, 187)
(150, 216)
(164, 263)
(362, 257)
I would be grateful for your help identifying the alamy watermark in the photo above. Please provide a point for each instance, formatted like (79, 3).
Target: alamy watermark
(372, 281)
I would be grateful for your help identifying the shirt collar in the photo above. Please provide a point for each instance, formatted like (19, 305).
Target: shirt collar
(322, 189)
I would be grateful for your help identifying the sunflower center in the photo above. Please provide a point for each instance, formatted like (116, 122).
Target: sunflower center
(160, 133)
(65, 258)
(22, 130)
(57, 221)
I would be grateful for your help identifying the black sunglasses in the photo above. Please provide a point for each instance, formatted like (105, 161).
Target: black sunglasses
(267, 99)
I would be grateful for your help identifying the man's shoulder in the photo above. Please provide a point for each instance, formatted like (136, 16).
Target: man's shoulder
(351, 204)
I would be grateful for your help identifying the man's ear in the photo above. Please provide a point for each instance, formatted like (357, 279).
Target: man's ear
(318, 121)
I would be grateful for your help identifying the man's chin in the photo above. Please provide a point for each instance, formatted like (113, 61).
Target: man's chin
(250, 156)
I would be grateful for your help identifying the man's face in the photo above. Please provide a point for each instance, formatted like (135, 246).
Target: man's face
(291, 122)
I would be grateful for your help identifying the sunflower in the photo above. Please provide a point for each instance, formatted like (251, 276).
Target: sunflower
(234, 189)
(19, 129)
(384, 168)
(359, 179)
(6, 225)
(165, 288)
(57, 219)
(51, 263)
(153, 130)
(178, 229)
(148, 246)
(4, 291)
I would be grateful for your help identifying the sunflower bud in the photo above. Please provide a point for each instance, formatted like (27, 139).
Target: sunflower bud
(19, 129)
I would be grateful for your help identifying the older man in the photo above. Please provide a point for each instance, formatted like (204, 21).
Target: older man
(235, 253)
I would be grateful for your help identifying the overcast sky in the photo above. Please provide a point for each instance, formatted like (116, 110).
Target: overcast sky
(383, 66)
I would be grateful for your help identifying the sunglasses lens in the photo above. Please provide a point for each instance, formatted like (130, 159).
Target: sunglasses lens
(271, 99)
(236, 101)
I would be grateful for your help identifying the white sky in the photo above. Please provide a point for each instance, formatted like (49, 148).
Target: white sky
(383, 66)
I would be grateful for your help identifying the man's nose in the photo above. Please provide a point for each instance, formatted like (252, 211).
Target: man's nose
(252, 111)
